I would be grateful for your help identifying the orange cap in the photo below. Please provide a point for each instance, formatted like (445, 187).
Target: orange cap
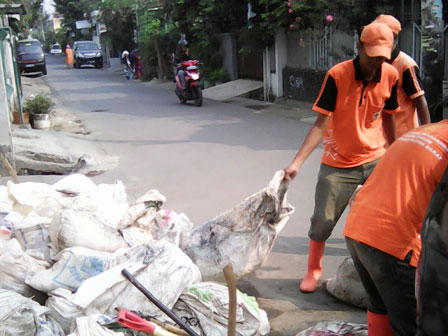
(378, 39)
(391, 21)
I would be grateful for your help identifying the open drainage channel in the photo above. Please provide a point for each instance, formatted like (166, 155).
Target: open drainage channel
(31, 163)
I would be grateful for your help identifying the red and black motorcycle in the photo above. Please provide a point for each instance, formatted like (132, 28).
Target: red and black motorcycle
(192, 89)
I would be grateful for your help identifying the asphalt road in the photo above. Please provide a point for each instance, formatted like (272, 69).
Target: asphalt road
(205, 160)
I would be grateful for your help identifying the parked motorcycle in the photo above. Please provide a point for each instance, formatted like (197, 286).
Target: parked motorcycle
(192, 89)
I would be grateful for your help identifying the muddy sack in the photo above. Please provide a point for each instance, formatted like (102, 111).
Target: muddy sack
(243, 235)
(347, 286)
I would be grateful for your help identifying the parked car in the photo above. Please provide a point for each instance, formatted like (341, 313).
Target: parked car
(30, 57)
(87, 52)
(56, 49)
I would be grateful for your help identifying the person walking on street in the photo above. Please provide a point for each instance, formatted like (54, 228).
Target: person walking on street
(355, 103)
(69, 56)
(384, 224)
(411, 97)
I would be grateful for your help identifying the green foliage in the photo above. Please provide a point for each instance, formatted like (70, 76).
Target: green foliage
(71, 12)
(40, 104)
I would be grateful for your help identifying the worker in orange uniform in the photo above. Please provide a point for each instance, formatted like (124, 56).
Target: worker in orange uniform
(383, 227)
(69, 56)
(356, 103)
(411, 97)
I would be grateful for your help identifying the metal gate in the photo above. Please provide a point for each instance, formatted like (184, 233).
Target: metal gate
(321, 50)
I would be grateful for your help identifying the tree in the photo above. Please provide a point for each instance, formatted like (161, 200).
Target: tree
(34, 18)
(71, 12)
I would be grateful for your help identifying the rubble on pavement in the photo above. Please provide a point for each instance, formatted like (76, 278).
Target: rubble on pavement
(63, 247)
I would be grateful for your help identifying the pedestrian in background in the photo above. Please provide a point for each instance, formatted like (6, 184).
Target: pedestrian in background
(356, 101)
(384, 224)
(410, 94)
(125, 59)
(138, 67)
(69, 56)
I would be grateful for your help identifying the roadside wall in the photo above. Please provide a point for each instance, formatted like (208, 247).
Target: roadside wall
(306, 65)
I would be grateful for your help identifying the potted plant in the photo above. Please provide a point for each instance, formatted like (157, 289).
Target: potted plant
(39, 108)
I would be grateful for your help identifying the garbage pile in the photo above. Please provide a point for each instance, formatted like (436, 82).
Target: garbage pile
(64, 247)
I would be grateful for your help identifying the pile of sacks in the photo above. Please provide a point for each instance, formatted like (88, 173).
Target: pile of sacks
(65, 245)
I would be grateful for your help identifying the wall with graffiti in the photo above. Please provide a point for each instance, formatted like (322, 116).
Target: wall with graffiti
(302, 84)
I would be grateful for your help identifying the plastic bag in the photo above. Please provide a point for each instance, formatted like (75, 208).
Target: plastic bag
(347, 286)
(74, 265)
(335, 328)
(243, 236)
(21, 316)
(161, 267)
(150, 201)
(205, 308)
(163, 224)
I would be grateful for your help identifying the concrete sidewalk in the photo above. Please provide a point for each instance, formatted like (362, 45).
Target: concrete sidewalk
(232, 89)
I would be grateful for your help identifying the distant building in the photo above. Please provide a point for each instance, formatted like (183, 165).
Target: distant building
(55, 22)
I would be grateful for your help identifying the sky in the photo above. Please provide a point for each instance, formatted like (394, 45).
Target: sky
(48, 6)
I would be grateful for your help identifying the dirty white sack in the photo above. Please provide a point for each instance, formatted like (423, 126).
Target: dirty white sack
(347, 286)
(243, 235)
(206, 306)
(161, 267)
(62, 309)
(335, 328)
(88, 326)
(6, 200)
(34, 240)
(85, 229)
(15, 266)
(31, 194)
(73, 266)
(21, 316)
(75, 184)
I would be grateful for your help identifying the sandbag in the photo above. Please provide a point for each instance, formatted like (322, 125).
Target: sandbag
(73, 266)
(347, 286)
(83, 228)
(161, 267)
(205, 308)
(21, 316)
(243, 235)
(335, 328)
(15, 266)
